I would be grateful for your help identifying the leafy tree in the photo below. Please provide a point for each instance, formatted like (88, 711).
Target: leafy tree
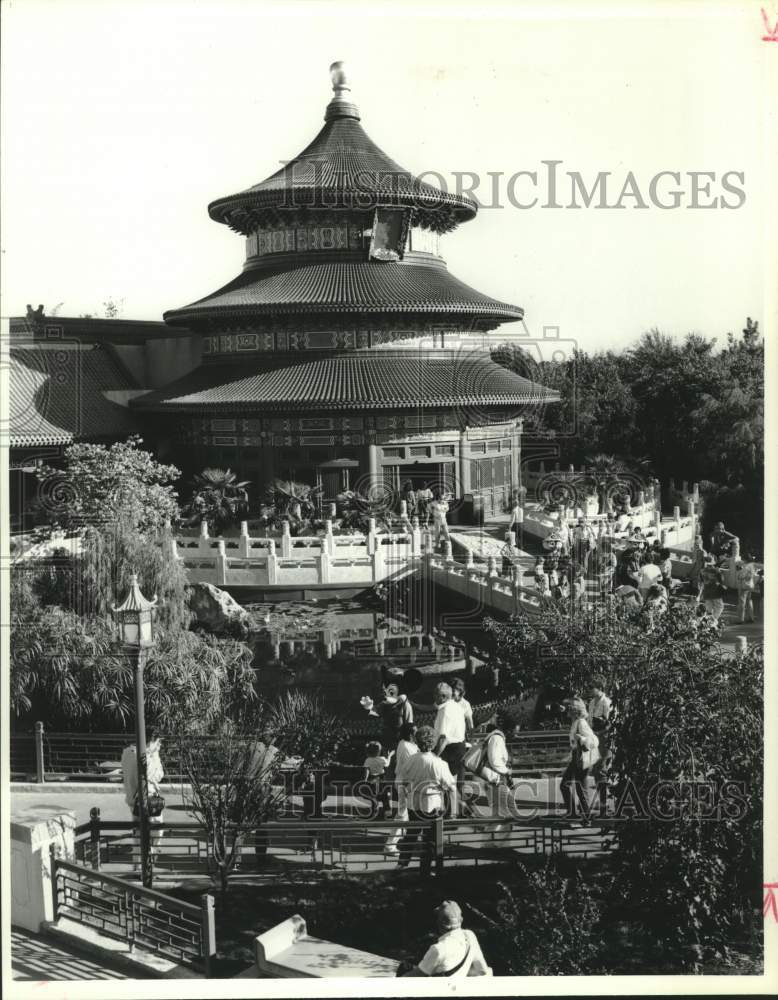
(218, 498)
(546, 923)
(66, 671)
(102, 485)
(687, 713)
(233, 787)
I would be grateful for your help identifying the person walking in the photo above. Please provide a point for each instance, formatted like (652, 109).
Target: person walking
(426, 780)
(745, 574)
(439, 511)
(650, 574)
(155, 772)
(695, 570)
(375, 767)
(757, 597)
(516, 521)
(713, 591)
(599, 710)
(405, 748)
(721, 541)
(584, 754)
(494, 766)
(458, 694)
(409, 496)
(455, 954)
(424, 498)
(450, 730)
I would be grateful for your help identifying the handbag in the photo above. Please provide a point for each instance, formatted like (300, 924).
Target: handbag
(155, 805)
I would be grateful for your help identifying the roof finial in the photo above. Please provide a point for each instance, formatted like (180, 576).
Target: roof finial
(340, 106)
(339, 79)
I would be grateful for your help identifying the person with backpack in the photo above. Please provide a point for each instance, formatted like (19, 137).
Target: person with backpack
(584, 754)
(713, 591)
(456, 953)
(745, 574)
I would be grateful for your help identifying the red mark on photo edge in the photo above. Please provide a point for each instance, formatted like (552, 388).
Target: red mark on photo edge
(770, 899)
(772, 32)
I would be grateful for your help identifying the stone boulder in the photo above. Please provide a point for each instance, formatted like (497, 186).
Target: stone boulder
(216, 610)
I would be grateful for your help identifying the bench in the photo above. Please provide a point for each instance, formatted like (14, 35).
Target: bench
(287, 951)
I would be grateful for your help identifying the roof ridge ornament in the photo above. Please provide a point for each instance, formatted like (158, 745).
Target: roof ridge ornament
(340, 106)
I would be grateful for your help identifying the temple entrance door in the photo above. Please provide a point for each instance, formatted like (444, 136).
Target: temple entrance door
(335, 477)
(491, 479)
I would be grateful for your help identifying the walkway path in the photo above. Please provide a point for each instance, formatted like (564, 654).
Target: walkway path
(36, 958)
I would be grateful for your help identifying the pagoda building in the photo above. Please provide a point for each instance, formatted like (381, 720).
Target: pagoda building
(345, 354)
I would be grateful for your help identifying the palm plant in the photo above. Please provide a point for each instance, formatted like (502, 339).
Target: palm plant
(292, 501)
(218, 498)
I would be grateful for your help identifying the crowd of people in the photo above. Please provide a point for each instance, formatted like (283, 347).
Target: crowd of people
(639, 572)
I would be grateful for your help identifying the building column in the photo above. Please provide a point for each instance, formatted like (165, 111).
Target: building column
(516, 455)
(464, 464)
(372, 465)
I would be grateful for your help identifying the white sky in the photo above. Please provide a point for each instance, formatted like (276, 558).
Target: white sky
(122, 121)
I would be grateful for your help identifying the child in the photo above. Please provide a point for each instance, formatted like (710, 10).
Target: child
(375, 767)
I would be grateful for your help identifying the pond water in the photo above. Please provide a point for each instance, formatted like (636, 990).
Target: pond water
(344, 649)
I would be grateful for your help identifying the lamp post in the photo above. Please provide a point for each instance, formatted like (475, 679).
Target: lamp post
(136, 635)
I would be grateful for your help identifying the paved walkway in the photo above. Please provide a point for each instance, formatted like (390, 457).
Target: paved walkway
(36, 958)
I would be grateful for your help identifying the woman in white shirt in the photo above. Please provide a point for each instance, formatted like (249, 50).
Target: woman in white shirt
(405, 748)
(584, 754)
(455, 953)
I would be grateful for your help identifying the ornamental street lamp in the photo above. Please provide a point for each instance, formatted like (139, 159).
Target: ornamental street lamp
(136, 635)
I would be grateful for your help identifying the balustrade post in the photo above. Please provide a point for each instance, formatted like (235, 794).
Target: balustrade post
(286, 540)
(696, 492)
(734, 548)
(207, 931)
(415, 537)
(371, 536)
(641, 498)
(448, 553)
(272, 562)
(677, 517)
(438, 844)
(469, 559)
(658, 521)
(493, 566)
(221, 562)
(333, 511)
(329, 540)
(244, 543)
(663, 537)
(94, 836)
(40, 763)
(54, 881)
(324, 566)
(203, 529)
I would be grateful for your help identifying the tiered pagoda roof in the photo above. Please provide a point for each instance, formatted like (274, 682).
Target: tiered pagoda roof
(355, 381)
(337, 287)
(342, 168)
(295, 280)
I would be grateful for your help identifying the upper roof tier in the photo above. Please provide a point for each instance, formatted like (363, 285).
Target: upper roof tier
(342, 168)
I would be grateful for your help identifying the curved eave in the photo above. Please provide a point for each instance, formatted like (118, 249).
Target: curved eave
(353, 381)
(342, 168)
(372, 287)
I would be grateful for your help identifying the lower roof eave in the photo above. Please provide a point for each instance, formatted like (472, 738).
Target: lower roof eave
(289, 406)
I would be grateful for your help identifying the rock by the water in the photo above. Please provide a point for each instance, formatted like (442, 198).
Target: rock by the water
(217, 610)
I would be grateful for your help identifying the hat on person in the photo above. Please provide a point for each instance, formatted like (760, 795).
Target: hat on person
(449, 915)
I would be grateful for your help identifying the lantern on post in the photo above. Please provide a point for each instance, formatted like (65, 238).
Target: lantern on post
(135, 625)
